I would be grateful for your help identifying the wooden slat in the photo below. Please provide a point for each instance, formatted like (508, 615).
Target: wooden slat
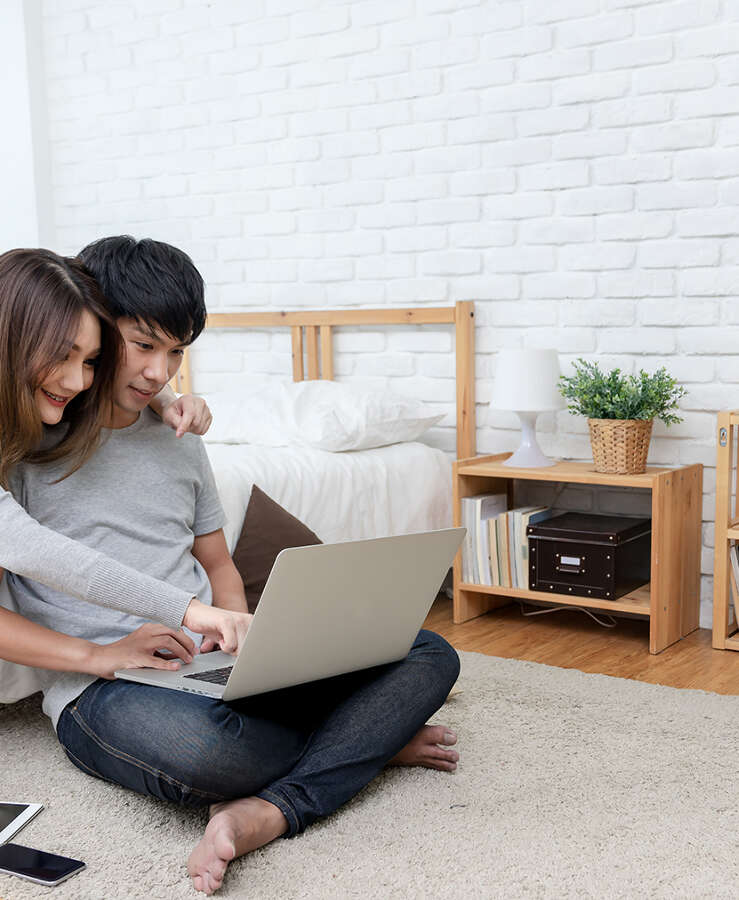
(461, 316)
(420, 315)
(724, 462)
(327, 353)
(311, 344)
(183, 378)
(297, 349)
(576, 472)
(731, 643)
(690, 512)
(635, 603)
(676, 514)
(465, 362)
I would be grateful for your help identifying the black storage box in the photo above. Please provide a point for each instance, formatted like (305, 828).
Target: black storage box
(588, 555)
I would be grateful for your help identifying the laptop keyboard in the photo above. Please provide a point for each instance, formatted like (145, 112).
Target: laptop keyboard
(213, 676)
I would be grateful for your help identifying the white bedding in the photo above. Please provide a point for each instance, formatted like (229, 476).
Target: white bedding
(340, 496)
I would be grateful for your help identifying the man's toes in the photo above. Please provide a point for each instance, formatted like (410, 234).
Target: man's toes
(437, 752)
(440, 734)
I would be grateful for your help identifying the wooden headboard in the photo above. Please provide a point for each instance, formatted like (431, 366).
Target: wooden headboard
(312, 337)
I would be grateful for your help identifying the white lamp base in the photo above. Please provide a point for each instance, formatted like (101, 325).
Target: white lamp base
(529, 455)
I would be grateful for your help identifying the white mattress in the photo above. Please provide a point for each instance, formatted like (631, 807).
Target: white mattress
(340, 496)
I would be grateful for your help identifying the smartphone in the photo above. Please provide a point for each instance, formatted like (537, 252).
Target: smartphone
(36, 865)
(13, 816)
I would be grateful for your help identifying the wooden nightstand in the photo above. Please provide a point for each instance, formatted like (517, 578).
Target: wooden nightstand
(671, 601)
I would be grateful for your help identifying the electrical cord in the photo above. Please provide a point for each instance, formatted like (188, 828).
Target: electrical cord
(543, 612)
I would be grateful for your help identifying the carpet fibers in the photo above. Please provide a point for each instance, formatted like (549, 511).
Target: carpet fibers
(570, 785)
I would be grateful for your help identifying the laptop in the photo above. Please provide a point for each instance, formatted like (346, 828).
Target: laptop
(326, 610)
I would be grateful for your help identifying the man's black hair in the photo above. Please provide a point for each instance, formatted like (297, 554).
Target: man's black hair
(152, 282)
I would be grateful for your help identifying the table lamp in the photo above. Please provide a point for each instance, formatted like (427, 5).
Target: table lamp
(526, 382)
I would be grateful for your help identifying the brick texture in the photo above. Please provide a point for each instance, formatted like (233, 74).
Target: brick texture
(570, 166)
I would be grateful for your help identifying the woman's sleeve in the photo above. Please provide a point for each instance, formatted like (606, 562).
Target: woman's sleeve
(33, 551)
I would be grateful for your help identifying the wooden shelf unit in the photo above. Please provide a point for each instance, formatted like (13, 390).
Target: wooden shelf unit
(725, 635)
(671, 602)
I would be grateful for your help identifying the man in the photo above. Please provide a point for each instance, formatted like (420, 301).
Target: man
(266, 766)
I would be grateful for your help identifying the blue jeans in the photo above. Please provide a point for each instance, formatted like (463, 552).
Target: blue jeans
(306, 749)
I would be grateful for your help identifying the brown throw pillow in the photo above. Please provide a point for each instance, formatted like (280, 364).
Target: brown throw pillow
(268, 529)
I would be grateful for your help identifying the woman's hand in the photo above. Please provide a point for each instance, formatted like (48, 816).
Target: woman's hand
(187, 413)
(218, 626)
(150, 646)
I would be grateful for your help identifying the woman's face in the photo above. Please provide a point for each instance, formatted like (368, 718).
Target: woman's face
(73, 374)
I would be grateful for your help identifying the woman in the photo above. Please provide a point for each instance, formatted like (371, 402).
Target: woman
(59, 350)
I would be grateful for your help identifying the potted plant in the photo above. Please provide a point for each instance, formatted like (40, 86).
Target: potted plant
(620, 410)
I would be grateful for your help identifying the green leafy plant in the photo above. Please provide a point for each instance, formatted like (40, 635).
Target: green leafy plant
(611, 395)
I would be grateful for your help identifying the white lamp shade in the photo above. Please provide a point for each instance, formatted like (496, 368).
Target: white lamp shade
(526, 381)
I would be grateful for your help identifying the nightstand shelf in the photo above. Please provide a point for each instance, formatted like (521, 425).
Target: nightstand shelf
(670, 602)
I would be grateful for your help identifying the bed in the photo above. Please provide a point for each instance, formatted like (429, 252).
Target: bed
(402, 487)
(361, 493)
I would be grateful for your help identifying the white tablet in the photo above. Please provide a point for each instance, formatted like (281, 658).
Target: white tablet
(13, 816)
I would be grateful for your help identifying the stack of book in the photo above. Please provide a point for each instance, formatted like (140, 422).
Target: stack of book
(496, 550)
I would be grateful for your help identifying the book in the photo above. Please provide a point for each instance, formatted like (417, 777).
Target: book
(503, 556)
(495, 551)
(493, 541)
(487, 506)
(516, 545)
(512, 545)
(530, 516)
(466, 507)
(476, 511)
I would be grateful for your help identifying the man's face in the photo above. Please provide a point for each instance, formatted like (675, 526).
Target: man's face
(151, 359)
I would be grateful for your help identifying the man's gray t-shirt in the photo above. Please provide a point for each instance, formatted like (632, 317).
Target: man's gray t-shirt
(142, 498)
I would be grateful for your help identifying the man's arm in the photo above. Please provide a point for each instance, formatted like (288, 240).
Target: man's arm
(185, 413)
(211, 551)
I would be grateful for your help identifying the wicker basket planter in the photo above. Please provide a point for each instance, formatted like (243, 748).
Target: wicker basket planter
(620, 446)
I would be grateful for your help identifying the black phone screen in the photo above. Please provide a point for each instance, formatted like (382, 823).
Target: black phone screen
(37, 864)
(9, 812)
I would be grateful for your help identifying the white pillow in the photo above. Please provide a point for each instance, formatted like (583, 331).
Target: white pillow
(326, 415)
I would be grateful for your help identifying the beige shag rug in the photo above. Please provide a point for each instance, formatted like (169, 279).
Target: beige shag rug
(570, 786)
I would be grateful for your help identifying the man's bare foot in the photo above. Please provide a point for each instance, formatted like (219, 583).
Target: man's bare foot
(235, 828)
(426, 749)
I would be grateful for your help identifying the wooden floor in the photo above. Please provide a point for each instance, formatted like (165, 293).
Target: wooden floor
(571, 640)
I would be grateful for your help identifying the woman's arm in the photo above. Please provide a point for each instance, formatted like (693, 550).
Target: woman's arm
(30, 644)
(33, 551)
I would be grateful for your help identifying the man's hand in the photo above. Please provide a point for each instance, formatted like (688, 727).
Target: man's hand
(152, 645)
(187, 413)
(218, 626)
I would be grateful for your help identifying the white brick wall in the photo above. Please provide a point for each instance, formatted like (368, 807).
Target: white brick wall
(570, 166)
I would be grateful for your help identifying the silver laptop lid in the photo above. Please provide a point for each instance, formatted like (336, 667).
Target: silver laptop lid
(334, 608)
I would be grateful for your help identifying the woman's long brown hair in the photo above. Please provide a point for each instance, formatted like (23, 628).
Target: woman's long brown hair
(42, 297)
